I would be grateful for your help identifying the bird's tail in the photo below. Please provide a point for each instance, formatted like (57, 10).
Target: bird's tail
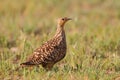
(22, 65)
(29, 63)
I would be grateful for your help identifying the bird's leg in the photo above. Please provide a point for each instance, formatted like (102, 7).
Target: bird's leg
(48, 66)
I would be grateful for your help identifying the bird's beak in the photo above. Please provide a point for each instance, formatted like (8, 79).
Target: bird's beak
(69, 19)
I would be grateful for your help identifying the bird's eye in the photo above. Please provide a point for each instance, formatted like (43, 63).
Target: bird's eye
(63, 19)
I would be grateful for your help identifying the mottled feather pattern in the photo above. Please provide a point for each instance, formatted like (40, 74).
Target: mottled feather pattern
(51, 51)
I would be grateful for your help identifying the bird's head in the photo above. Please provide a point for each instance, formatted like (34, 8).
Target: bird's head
(62, 21)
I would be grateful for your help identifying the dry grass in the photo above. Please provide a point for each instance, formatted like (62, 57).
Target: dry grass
(93, 38)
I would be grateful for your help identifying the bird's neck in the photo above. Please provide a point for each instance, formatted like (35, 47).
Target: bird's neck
(60, 31)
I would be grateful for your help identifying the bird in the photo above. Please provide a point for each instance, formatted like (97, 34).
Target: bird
(52, 51)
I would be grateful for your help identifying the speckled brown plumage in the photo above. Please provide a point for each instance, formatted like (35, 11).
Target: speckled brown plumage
(51, 51)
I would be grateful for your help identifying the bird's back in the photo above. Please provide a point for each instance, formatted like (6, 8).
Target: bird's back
(51, 51)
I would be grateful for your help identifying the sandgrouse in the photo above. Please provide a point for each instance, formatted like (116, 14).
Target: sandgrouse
(51, 51)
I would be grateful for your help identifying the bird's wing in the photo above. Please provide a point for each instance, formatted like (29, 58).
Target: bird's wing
(45, 54)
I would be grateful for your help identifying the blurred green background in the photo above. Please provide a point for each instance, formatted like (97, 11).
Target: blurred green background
(93, 38)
